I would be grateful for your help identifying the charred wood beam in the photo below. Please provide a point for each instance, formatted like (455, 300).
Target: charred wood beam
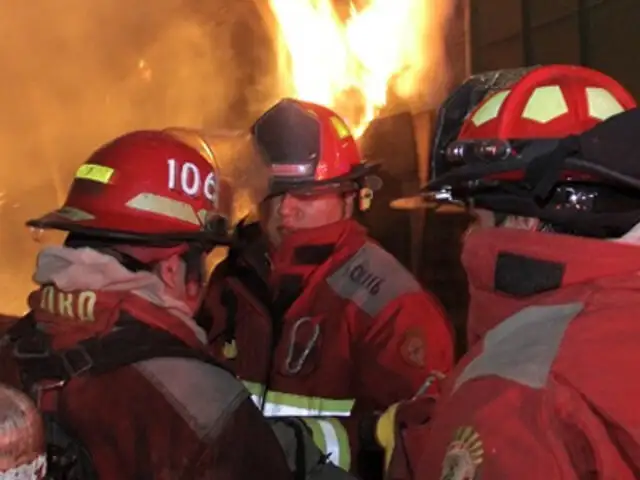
(584, 31)
(391, 141)
(528, 52)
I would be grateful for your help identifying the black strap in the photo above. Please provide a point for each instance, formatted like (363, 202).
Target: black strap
(21, 328)
(131, 342)
(300, 458)
(230, 303)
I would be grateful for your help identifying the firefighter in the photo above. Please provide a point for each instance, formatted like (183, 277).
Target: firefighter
(322, 323)
(547, 161)
(110, 351)
(22, 446)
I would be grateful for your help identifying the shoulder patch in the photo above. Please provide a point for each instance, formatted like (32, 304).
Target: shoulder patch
(371, 279)
(201, 393)
(464, 455)
(523, 347)
(412, 348)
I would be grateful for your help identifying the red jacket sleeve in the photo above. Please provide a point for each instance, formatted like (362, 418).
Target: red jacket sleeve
(404, 344)
(396, 352)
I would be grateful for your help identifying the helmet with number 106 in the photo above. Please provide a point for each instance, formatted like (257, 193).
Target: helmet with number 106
(164, 188)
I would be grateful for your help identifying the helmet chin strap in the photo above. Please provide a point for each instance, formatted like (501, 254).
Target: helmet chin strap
(348, 205)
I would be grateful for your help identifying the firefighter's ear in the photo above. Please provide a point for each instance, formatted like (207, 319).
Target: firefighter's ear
(172, 273)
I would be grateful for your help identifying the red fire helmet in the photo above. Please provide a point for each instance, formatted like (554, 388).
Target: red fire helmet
(543, 103)
(492, 117)
(160, 187)
(310, 147)
(530, 143)
(548, 102)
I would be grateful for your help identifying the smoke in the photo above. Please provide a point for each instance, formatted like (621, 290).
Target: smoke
(76, 73)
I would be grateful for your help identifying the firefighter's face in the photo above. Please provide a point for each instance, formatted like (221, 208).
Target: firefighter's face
(288, 213)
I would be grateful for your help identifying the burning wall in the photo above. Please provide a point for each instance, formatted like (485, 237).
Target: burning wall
(76, 73)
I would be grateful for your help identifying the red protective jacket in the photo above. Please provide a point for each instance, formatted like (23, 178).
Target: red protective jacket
(350, 332)
(164, 418)
(548, 390)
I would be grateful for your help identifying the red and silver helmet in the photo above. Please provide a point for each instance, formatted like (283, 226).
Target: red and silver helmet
(310, 149)
(163, 187)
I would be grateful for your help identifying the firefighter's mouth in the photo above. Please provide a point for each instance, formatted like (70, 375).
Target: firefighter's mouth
(285, 230)
(287, 225)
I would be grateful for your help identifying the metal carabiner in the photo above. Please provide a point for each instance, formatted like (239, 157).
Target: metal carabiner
(292, 366)
(433, 376)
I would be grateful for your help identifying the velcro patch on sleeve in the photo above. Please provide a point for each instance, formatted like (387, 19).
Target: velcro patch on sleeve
(372, 279)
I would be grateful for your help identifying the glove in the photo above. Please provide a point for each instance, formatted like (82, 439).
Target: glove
(385, 432)
(397, 417)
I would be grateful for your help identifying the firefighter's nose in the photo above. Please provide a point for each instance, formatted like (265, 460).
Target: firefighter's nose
(287, 205)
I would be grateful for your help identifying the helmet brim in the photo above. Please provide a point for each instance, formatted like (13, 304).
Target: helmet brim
(361, 176)
(216, 235)
(423, 202)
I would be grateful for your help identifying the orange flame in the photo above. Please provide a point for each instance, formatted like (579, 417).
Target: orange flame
(351, 64)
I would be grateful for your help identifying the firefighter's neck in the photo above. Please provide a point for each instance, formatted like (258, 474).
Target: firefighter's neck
(325, 234)
(301, 252)
(317, 233)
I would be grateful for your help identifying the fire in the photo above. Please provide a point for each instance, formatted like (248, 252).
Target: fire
(351, 62)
